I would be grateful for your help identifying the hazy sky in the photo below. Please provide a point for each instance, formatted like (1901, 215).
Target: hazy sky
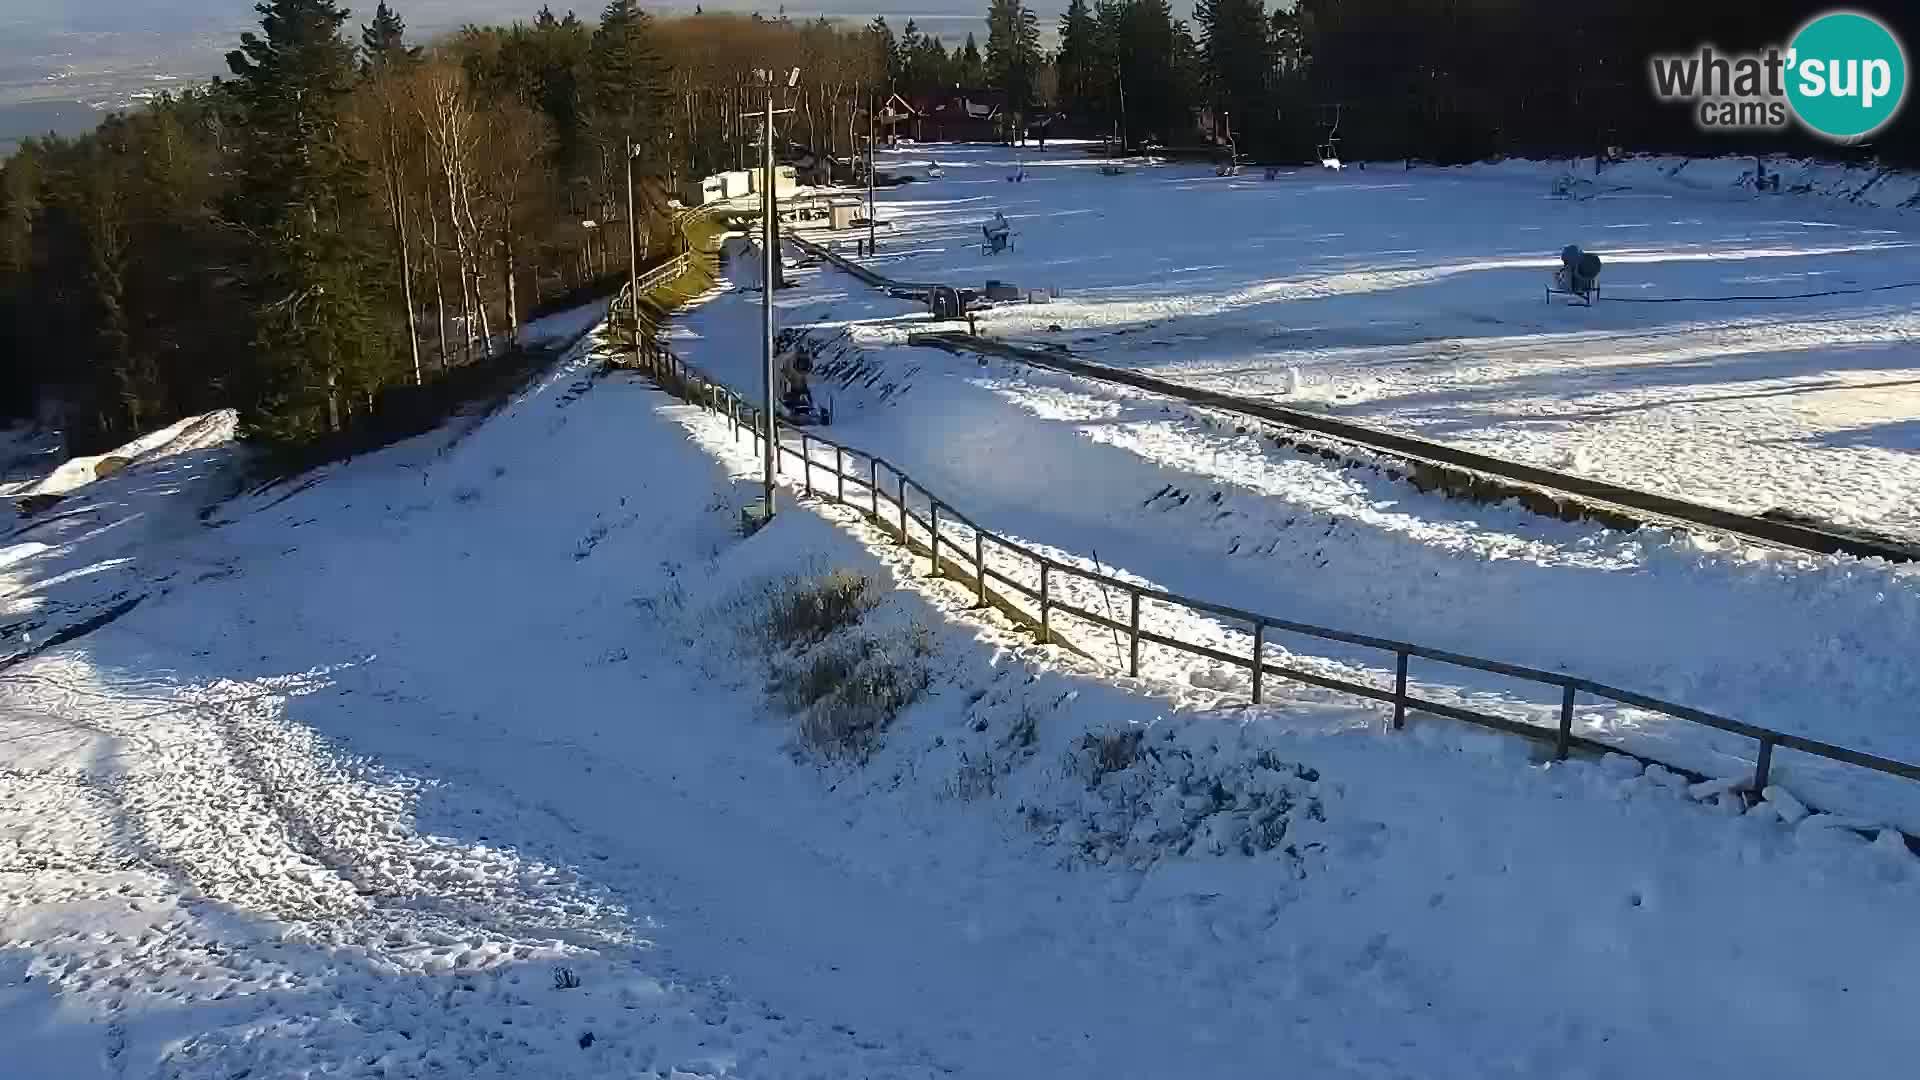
(128, 15)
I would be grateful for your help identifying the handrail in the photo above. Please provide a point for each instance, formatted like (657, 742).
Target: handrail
(667, 271)
(891, 514)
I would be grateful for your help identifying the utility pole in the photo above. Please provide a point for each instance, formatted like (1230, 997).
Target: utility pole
(633, 249)
(769, 210)
(768, 254)
(871, 250)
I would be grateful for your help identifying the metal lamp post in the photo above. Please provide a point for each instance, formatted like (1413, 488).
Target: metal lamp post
(633, 248)
(769, 209)
(871, 240)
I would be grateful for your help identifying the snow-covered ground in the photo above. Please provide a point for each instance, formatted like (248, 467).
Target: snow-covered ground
(1815, 646)
(1413, 300)
(461, 760)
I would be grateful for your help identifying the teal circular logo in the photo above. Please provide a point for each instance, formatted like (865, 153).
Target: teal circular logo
(1847, 75)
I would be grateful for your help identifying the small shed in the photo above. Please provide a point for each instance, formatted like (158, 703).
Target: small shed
(843, 214)
(701, 192)
(785, 180)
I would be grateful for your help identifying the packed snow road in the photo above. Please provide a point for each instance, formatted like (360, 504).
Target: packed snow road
(1414, 300)
(461, 759)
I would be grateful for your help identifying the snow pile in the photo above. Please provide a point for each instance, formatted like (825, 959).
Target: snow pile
(25, 450)
(204, 432)
(1864, 185)
(563, 326)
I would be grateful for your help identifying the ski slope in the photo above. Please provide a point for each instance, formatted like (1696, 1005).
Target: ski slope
(1413, 300)
(456, 760)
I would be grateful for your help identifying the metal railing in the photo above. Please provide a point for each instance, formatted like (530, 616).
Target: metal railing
(620, 310)
(881, 491)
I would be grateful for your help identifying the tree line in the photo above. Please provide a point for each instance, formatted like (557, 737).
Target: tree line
(349, 214)
(1462, 80)
(1444, 81)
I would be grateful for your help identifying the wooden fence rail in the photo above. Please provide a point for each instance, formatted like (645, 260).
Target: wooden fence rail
(967, 559)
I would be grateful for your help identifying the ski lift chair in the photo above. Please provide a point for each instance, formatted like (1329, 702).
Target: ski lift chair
(1229, 165)
(1329, 149)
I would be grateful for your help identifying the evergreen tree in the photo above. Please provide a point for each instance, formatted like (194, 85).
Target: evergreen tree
(925, 66)
(630, 79)
(630, 97)
(301, 199)
(544, 65)
(1078, 63)
(19, 205)
(383, 41)
(886, 51)
(1013, 52)
(1238, 58)
(972, 70)
(909, 46)
(1148, 69)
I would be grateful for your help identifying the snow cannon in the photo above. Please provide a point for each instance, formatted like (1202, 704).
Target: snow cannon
(1578, 276)
(797, 406)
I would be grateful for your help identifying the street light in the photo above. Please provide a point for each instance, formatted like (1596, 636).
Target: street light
(769, 211)
(633, 249)
(587, 225)
(870, 163)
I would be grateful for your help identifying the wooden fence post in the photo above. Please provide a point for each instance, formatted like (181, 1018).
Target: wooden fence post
(1133, 648)
(933, 517)
(1565, 739)
(1399, 690)
(980, 564)
(1259, 654)
(1046, 636)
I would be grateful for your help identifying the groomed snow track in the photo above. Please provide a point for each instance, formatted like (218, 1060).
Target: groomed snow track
(1417, 453)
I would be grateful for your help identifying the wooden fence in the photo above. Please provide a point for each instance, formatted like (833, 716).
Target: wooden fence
(884, 493)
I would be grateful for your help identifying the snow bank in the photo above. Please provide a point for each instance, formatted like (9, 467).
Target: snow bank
(203, 432)
(1802, 180)
(563, 326)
